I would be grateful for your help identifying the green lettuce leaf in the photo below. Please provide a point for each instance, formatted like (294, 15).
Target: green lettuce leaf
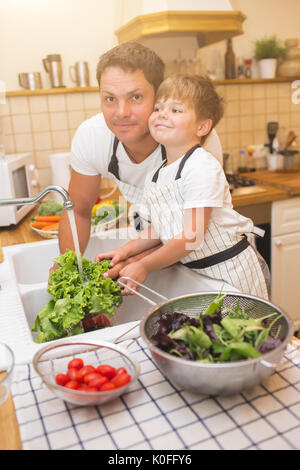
(72, 300)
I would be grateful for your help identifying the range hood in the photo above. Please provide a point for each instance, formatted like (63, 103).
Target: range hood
(169, 18)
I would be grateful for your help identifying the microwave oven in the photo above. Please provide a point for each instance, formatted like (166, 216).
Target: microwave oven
(17, 180)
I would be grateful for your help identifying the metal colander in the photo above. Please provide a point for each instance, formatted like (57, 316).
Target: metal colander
(218, 378)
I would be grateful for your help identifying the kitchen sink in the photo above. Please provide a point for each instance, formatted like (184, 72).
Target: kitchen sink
(24, 278)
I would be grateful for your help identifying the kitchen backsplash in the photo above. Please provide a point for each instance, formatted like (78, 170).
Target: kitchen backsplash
(45, 124)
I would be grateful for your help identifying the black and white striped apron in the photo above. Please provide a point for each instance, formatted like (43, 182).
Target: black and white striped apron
(132, 193)
(221, 256)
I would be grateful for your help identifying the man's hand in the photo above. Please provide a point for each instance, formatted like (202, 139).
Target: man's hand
(52, 269)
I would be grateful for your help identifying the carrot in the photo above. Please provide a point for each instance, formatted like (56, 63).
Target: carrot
(51, 227)
(47, 218)
(39, 224)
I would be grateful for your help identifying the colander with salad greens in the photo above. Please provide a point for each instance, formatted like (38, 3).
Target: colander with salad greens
(77, 307)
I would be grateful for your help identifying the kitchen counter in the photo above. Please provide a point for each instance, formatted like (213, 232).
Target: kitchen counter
(289, 185)
(154, 414)
(285, 180)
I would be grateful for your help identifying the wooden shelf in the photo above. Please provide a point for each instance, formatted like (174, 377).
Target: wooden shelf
(52, 91)
(249, 81)
(207, 26)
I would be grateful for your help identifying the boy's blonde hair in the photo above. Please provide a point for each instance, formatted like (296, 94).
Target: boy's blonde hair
(197, 92)
(133, 56)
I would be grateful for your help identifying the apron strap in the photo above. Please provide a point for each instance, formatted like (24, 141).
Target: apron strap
(182, 163)
(184, 160)
(155, 176)
(113, 166)
(219, 257)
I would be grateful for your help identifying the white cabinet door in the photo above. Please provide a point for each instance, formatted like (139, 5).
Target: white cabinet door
(286, 274)
(286, 216)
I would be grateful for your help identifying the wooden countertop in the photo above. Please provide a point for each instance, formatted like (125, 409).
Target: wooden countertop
(286, 180)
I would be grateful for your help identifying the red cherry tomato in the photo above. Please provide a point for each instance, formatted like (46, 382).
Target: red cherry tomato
(82, 387)
(121, 379)
(76, 363)
(84, 371)
(92, 389)
(121, 370)
(106, 370)
(72, 374)
(62, 379)
(72, 384)
(107, 386)
(91, 376)
(98, 382)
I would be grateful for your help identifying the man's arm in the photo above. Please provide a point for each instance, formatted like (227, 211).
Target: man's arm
(83, 191)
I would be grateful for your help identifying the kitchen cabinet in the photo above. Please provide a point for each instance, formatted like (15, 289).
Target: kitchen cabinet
(285, 255)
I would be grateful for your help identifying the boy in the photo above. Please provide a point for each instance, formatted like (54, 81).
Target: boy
(187, 199)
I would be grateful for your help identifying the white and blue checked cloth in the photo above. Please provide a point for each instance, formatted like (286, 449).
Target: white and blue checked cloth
(154, 414)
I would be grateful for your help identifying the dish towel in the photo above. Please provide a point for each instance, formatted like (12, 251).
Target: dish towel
(155, 414)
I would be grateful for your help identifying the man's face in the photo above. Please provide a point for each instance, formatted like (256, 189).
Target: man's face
(127, 100)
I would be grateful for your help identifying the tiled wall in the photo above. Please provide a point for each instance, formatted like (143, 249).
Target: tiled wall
(45, 124)
(248, 109)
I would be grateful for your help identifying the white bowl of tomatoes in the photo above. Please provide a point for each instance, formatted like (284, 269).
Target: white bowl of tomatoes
(88, 373)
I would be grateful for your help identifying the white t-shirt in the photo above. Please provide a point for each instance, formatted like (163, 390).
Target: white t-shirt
(92, 149)
(203, 184)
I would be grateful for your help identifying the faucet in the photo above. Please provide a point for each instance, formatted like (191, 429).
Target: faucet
(68, 203)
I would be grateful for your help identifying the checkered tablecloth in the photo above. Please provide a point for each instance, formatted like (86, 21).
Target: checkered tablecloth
(154, 414)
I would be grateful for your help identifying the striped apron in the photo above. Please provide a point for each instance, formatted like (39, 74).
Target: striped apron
(133, 194)
(221, 255)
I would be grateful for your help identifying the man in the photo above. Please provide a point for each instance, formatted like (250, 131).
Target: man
(117, 143)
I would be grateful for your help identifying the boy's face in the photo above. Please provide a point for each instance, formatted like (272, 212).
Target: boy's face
(127, 100)
(173, 123)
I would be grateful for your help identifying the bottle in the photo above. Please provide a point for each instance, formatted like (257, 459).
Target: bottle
(240, 69)
(247, 68)
(192, 64)
(243, 168)
(230, 71)
(219, 67)
(180, 63)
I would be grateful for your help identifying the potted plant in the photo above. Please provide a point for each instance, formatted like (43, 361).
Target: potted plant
(266, 51)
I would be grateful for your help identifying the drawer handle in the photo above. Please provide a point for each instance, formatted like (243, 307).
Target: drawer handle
(278, 243)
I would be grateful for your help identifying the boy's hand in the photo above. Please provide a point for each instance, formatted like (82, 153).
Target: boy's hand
(135, 271)
(117, 255)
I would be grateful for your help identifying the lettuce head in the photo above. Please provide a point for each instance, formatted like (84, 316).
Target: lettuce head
(72, 300)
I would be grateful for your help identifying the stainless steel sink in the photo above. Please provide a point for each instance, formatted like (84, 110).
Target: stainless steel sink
(24, 278)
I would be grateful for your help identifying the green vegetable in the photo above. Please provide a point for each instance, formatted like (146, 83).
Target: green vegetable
(192, 335)
(50, 208)
(232, 336)
(236, 351)
(215, 305)
(106, 213)
(72, 300)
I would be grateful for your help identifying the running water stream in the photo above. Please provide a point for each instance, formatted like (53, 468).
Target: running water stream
(76, 242)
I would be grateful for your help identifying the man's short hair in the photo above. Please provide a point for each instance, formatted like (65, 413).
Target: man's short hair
(133, 56)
